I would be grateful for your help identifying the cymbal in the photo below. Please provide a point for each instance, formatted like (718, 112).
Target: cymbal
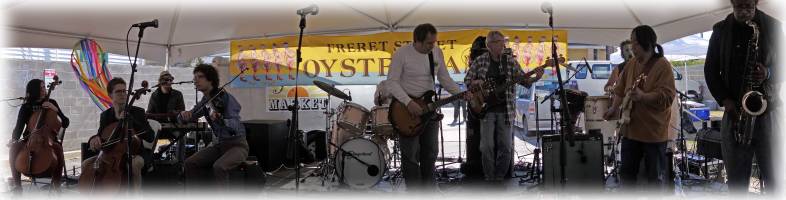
(332, 90)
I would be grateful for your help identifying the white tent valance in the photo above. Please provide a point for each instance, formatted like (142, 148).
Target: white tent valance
(190, 29)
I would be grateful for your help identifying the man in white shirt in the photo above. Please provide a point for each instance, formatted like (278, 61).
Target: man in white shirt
(410, 77)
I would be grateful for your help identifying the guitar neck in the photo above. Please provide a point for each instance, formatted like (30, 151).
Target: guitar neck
(448, 100)
(518, 79)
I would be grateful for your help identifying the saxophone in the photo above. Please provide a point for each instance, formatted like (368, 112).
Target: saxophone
(754, 100)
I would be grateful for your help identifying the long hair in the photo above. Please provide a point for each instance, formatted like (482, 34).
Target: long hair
(478, 48)
(647, 39)
(33, 90)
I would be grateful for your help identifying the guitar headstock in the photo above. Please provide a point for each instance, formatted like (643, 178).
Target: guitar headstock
(550, 61)
(638, 80)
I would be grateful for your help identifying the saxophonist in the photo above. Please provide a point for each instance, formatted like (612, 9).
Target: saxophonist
(741, 59)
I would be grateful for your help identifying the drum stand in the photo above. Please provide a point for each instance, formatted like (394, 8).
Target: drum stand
(394, 172)
(325, 167)
(613, 159)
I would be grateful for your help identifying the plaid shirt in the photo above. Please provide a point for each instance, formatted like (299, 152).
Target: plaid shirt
(480, 67)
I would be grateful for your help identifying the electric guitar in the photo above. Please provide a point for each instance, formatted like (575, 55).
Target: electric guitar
(408, 125)
(477, 104)
(627, 106)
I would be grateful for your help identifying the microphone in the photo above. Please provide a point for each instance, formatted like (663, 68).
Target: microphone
(177, 83)
(312, 9)
(143, 25)
(182, 82)
(682, 94)
(507, 51)
(546, 7)
(11, 99)
(588, 66)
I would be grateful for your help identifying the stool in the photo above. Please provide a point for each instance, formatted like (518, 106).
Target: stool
(248, 175)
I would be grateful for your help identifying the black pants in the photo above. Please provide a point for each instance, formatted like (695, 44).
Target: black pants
(738, 159)
(654, 155)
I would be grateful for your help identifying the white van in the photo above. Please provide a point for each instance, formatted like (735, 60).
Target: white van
(592, 83)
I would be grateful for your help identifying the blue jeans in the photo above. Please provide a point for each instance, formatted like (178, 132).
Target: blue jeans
(496, 145)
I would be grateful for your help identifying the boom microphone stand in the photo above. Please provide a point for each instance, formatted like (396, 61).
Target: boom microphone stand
(123, 122)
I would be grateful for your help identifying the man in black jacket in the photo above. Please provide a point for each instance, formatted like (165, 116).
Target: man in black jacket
(724, 71)
(165, 99)
(117, 92)
(164, 105)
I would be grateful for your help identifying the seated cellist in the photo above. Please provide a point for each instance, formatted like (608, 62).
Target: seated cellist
(34, 101)
(118, 94)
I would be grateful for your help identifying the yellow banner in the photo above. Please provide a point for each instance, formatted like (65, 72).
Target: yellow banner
(364, 59)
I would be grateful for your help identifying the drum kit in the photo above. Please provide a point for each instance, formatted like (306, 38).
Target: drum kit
(358, 152)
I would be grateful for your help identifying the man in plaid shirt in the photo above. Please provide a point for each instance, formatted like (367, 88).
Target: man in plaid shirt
(497, 68)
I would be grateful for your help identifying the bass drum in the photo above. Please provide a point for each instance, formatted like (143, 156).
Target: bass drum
(356, 174)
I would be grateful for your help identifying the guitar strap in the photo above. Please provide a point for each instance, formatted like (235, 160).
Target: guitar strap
(431, 66)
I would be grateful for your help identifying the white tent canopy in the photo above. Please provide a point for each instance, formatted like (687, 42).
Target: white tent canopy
(191, 29)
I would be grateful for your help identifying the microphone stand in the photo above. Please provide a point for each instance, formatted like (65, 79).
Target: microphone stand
(566, 82)
(126, 116)
(683, 148)
(566, 129)
(294, 122)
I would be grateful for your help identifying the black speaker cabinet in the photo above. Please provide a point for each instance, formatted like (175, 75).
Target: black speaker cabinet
(709, 143)
(267, 141)
(583, 166)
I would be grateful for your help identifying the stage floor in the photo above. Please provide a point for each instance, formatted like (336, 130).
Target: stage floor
(282, 182)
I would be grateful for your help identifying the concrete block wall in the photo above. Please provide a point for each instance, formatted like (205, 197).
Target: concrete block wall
(74, 101)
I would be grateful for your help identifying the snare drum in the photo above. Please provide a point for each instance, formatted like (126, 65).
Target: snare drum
(380, 125)
(352, 117)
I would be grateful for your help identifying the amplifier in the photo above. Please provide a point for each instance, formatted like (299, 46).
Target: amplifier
(584, 162)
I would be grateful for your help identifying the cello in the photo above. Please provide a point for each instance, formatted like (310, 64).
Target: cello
(108, 171)
(38, 158)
